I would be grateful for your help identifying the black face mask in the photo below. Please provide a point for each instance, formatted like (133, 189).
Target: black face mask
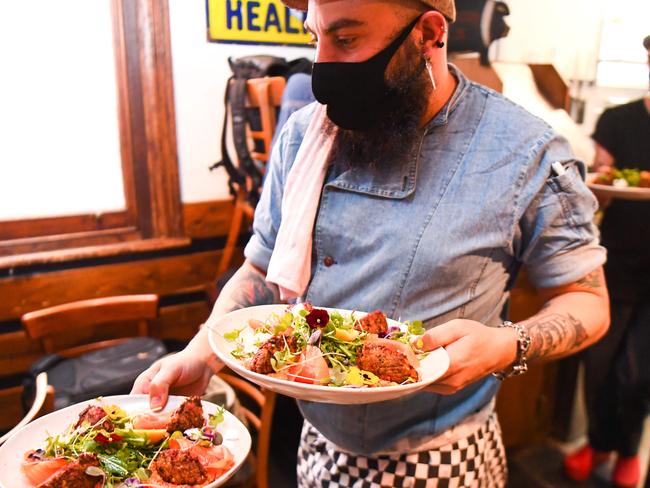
(356, 94)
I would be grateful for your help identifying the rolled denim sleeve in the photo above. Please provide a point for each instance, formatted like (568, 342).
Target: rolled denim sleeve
(560, 242)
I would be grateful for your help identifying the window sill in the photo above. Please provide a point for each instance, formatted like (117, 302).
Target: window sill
(92, 252)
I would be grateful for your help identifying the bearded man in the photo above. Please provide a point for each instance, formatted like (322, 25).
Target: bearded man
(412, 190)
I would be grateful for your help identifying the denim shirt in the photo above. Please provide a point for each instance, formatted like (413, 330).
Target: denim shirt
(436, 237)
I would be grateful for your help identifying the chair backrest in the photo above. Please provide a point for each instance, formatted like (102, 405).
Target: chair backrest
(264, 94)
(72, 318)
(264, 401)
(263, 98)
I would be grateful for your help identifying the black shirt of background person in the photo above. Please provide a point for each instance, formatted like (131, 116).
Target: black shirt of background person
(625, 132)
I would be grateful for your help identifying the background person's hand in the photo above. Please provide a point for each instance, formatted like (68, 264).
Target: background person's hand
(181, 373)
(475, 350)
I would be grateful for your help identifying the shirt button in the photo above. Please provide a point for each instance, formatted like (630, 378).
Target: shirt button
(328, 261)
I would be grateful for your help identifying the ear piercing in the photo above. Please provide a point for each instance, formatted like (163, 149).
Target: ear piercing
(430, 71)
(441, 44)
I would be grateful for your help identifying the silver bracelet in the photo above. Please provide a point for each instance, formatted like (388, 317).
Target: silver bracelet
(519, 366)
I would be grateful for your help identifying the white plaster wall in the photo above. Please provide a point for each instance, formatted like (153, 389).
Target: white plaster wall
(565, 33)
(200, 73)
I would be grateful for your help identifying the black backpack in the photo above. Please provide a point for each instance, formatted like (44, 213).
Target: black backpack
(478, 24)
(104, 372)
(244, 69)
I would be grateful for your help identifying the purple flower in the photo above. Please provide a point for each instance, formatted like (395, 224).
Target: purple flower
(317, 318)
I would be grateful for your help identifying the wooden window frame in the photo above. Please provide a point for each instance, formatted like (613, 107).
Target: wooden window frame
(147, 131)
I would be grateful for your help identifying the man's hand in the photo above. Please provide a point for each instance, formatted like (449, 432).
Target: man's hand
(573, 317)
(183, 373)
(188, 372)
(475, 350)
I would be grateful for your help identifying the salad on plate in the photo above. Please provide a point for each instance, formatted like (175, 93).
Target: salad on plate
(622, 178)
(312, 345)
(109, 447)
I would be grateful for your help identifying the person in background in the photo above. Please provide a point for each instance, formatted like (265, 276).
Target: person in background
(412, 190)
(617, 369)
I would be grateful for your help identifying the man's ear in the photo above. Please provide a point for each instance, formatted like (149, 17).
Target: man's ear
(433, 28)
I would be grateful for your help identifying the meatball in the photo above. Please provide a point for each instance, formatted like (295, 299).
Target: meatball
(96, 417)
(187, 416)
(261, 362)
(387, 361)
(180, 467)
(74, 475)
(373, 323)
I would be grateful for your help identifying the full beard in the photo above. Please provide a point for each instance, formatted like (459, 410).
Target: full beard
(394, 138)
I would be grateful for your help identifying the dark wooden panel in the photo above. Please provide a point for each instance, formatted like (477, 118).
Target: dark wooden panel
(524, 299)
(551, 85)
(180, 322)
(525, 405)
(207, 219)
(475, 71)
(163, 276)
(11, 411)
(17, 352)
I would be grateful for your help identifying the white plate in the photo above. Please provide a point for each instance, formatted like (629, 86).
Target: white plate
(235, 435)
(431, 368)
(627, 193)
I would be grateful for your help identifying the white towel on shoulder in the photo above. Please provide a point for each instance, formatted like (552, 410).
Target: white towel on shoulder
(290, 265)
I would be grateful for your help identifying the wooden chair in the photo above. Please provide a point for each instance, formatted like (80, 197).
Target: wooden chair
(81, 323)
(264, 402)
(73, 320)
(264, 94)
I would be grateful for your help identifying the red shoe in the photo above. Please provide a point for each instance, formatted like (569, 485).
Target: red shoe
(626, 472)
(579, 464)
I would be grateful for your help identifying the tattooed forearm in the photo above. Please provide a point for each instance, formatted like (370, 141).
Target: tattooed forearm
(555, 334)
(246, 288)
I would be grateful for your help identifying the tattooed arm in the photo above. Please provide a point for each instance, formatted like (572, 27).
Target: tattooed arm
(189, 371)
(246, 288)
(573, 317)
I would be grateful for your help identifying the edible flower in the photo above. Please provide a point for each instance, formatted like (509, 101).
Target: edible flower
(317, 318)
(103, 439)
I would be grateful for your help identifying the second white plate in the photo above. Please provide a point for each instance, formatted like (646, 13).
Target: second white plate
(235, 435)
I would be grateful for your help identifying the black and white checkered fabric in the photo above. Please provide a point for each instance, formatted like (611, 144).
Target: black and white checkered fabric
(475, 461)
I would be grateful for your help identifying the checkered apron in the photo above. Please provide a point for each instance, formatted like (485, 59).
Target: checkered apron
(476, 461)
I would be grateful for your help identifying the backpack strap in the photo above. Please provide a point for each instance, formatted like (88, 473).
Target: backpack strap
(234, 175)
(238, 112)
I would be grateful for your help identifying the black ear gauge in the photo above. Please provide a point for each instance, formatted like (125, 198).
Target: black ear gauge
(440, 44)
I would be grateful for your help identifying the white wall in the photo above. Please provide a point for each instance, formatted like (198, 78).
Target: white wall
(565, 33)
(200, 74)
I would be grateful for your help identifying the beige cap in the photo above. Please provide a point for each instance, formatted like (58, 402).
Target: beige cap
(445, 7)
